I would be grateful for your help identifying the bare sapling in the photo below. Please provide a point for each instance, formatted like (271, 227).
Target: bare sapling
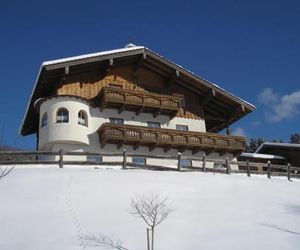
(153, 210)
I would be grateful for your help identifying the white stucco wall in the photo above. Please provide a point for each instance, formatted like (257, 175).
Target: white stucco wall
(72, 136)
(74, 133)
(71, 132)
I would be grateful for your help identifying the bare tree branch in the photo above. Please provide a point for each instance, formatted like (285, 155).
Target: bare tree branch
(152, 209)
(5, 171)
(108, 242)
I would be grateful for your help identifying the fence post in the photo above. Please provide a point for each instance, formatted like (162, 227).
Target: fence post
(248, 168)
(124, 158)
(289, 171)
(61, 158)
(204, 163)
(228, 169)
(179, 161)
(269, 169)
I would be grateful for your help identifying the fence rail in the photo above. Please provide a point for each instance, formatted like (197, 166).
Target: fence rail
(225, 166)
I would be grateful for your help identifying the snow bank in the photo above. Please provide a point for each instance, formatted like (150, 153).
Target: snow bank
(51, 208)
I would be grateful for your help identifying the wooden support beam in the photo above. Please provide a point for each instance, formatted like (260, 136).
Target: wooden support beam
(140, 63)
(236, 112)
(228, 130)
(67, 70)
(214, 118)
(144, 56)
(111, 62)
(169, 81)
(208, 96)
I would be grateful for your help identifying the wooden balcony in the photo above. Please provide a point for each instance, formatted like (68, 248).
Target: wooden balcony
(139, 101)
(169, 138)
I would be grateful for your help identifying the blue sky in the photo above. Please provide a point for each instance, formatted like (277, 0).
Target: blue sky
(250, 48)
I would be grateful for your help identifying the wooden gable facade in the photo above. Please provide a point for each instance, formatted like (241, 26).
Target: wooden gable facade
(136, 79)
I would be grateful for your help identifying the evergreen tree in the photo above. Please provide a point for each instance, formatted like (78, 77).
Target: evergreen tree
(295, 138)
(254, 144)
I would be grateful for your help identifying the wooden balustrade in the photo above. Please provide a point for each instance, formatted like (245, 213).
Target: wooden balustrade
(139, 101)
(168, 138)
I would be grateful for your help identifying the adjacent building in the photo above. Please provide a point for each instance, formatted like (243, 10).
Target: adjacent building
(133, 98)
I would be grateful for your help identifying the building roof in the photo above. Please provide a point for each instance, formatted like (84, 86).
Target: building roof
(290, 151)
(51, 71)
(277, 145)
(262, 156)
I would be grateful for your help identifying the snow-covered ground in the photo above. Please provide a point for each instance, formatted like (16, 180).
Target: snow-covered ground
(51, 208)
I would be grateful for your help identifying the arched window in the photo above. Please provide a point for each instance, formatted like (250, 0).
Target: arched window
(82, 118)
(44, 120)
(62, 115)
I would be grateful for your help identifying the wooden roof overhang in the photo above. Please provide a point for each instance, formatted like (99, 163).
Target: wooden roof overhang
(220, 108)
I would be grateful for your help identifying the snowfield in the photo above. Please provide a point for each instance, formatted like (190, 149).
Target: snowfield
(73, 208)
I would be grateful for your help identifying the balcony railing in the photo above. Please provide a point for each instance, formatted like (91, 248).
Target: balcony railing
(139, 101)
(169, 138)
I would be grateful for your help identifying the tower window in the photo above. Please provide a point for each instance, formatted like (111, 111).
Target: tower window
(82, 118)
(44, 120)
(62, 116)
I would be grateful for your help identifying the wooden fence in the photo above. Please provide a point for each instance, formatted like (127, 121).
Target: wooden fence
(225, 166)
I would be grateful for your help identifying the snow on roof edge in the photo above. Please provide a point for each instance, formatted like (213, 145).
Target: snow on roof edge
(277, 144)
(262, 156)
(102, 53)
(30, 98)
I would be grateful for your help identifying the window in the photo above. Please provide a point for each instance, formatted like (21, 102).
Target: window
(139, 160)
(118, 121)
(82, 118)
(115, 86)
(94, 158)
(185, 163)
(182, 127)
(44, 120)
(153, 124)
(62, 116)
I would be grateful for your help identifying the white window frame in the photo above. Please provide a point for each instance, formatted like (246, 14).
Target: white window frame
(64, 118)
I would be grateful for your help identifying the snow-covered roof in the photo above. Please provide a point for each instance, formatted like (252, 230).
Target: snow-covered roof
(129, 50)
(262, 156)
(92, 55)
(278, 144)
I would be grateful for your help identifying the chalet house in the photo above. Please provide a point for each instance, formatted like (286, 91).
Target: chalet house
(134, 98)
